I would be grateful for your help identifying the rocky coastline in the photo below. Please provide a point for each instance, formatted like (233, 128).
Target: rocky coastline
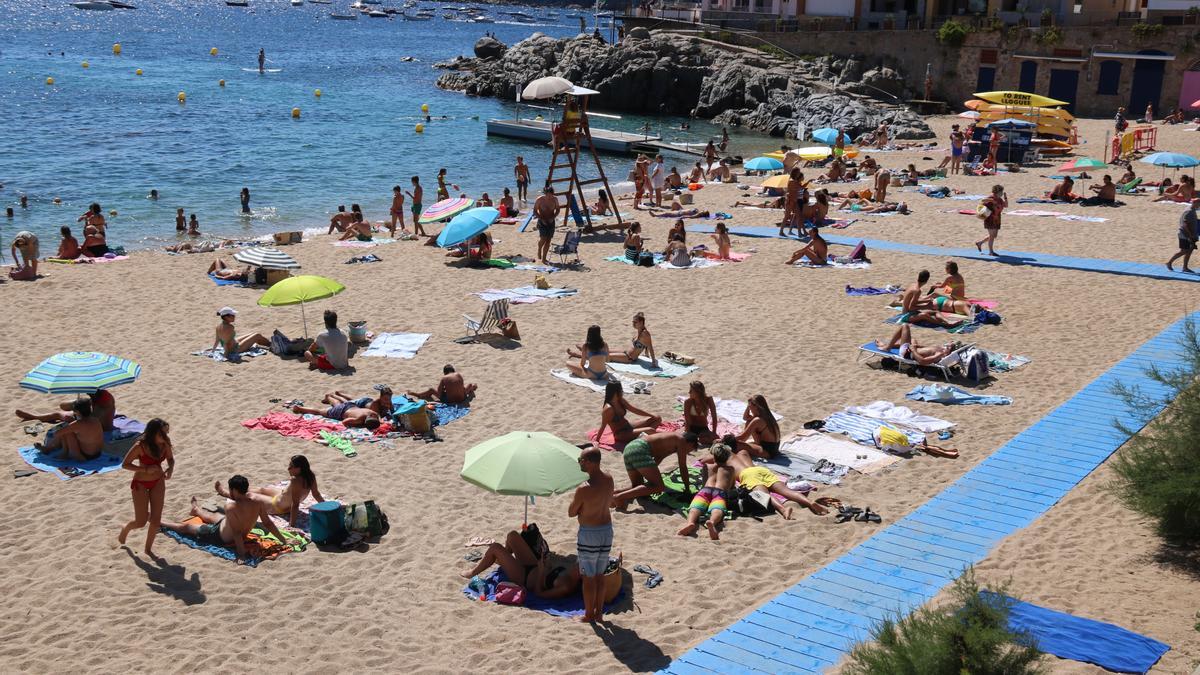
(672, 74)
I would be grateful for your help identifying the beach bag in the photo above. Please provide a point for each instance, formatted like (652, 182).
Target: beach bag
(646, 260)
(509, 593)
(975, 366)
(260, 276)
(751, 503)
(984, 316)
(417, 421)
(367, 518)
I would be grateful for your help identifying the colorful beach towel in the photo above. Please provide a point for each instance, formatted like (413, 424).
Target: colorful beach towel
(598, 385)
(836, 449)
(862, 429)
(353, 243)
(950, 395)
(834, 263)
(87, 261)
(565, 607)
(965, 327)
(658, 259)
(442, 413)
(396, 345)
(900, 416)
(67, 469)
(698, 262)
(713, 255)
(289, 424)
(674, 497)
(1005, 362)
(218, 355)
(260, 546)
(338, 443)
(890, 289)
(641, 366)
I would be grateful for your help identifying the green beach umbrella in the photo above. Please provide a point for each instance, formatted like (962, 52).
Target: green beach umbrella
(80, 373)
(525, 463)
(299, 290)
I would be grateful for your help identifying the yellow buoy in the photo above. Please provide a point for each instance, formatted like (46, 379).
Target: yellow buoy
(420, 128)
(117, 49)
(182, 97)
(138, 72)
(212, 52)
(295, 113)
(317, 93)
(84, 64)
(424, 107)
(220, 83)
(50, 80)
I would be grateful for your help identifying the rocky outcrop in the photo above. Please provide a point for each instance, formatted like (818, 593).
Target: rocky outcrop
(489, 48)
(659, 73)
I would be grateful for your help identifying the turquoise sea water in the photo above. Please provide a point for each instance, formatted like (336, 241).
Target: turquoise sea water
(104, 134)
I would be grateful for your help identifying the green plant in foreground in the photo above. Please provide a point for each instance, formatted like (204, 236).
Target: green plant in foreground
(967, 636)
(1158, 470)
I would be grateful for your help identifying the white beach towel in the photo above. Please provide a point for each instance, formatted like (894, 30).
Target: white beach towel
(354, 243)
(524, 295)
(731, 410)
(598, 385)
(900, 415)
(642, 366)
(396, 345)
(835, 264)
(697, 263)
(836, 449)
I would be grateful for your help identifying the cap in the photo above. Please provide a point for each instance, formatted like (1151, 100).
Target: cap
(227, 311)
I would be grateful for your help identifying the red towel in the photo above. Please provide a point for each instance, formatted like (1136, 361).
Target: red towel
(288, 424)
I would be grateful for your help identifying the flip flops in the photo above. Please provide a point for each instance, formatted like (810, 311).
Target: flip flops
(847, 513)
(655, 578)
(473, 556)
(868, 516)
(34, 429)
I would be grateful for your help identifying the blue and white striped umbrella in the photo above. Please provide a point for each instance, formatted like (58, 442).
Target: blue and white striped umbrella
(80, 373)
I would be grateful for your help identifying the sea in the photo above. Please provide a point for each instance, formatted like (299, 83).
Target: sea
(102, 133)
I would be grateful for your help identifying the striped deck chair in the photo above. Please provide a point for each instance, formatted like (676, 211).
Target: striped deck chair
(497, 311)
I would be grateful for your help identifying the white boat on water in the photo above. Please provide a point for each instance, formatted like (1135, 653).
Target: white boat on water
(376, 14)
(320, 2)
(483, 19)
(343, 17)
(297, 3)
(415, 17)
(98, 6)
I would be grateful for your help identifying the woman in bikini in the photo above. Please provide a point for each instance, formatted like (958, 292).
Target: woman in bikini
(285, 501)
(613, 416)
(817, 251)
(525, 558)
(149, 479)
(700, 413)
(642, 342)
(676, 251)
(633, 242)
(678, 229)
(762, 427)
(721, 237)
(953, 285)
(592, 355)
(95, 241)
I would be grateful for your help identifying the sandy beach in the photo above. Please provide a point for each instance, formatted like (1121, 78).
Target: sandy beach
(79, 601)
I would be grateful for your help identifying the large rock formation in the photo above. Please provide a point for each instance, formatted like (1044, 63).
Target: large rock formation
(660, 73)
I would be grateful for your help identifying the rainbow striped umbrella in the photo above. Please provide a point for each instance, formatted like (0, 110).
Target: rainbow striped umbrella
(80, 373)
(447, 208)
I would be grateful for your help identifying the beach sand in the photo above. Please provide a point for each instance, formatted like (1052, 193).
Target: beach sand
(79, 601)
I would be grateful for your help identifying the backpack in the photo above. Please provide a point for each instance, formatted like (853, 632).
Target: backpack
(975, 366)
(366, 517)
(646, 260)
(747, 503)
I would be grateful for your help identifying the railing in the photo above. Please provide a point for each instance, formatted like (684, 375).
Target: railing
(1142, 137)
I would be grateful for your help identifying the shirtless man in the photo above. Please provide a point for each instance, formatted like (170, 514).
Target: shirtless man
(594, 542)
(351, 412)
(451, 388)
(521, 173)
(762, 479)
(1106, 193)
(697, 174)
(340, 220)
(920, 309)
(81, 439)
(227, 337)
(907, 347)
(416, 195)
(397, 210)
(883, 178)
(104, 408)
(643, 455)
(241, 515)
(721, 174)
(546, 210)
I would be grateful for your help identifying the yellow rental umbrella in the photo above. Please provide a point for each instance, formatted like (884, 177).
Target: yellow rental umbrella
(779, 182)
(299, 290)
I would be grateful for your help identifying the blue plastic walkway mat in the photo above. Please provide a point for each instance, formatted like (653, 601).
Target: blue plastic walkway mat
(1152, 271)
(811, 626)
(1078, 639)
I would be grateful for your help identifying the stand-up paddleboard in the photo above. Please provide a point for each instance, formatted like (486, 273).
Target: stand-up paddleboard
(265, 70)
(1018, 98)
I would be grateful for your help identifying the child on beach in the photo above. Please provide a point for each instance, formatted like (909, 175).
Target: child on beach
(711, 499)
(180, 221)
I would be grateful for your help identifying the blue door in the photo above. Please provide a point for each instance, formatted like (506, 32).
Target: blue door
(1147, 84)
(1028, 83)
(1064, 85)
(986, 79)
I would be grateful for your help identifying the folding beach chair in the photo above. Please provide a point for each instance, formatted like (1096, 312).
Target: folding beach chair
(871, 350)
(497, 311)
(570, 246)
(1130, 188)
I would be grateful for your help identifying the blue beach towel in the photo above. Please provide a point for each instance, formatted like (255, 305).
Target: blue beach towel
(872, 290)
(571, 606)
(951, 395)
(1073, 637)
(226, 282)
(658, 258)
(227, 553)
(67, 469)
(443, 413)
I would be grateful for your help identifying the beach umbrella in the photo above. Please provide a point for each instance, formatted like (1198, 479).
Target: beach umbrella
(1081, 164)
(828, 136)
(969, 114)
(447, 208)
(80, 373)
(467, 224)
(525, 463)
(763, 164)
(264, 256)
(814, 152)
(299, 290)
(546, 87)
(1175, 160)
(779, 182)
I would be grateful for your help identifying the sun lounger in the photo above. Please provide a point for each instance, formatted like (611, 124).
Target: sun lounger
(496, 311)
(1129, 188)
(871, 350)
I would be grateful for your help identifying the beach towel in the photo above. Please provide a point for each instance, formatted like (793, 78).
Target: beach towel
(1037, 200)
(658, 259)
(967, 326)
(354, 243)
(840, 224)
(798, 466)
(441, 413)
(219, 354)
(260, 546)
(950, 395)
(713, 255)
(641, 366)
(338, 443)
(226, 282)
(968, 198)
(524, 295)
(835, 449)
(608, 442)
(732, 410)
(545, 269)
(890, 289)
(598, 385)
(564, 607)
(307, 427)
(88, 261)
(698, 262)
(901, 416)
(1078, 639)
(1083, 219)
(67, 469)
(1005, 362)
(834, 263)
(396, 345)
(369, 258)
(674, 497)
(861, 429)
(1033, 212)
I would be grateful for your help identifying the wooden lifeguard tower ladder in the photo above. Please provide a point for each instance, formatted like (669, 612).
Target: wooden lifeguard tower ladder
(570, 140)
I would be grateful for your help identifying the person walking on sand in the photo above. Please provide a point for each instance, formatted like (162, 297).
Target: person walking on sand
(149, 484)
(594, 542)
(262, 59)
(658, 178)
(710, 155)
(397, 210)
(521, 172)
(245, 200)
(546, 210)
(990, 210)
(1188, 233)
(416, 196)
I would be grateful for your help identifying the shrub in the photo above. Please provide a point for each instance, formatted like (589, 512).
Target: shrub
(1158, 470)
(970, 635)
(1050, 35)
(1145, 31)
(953, 33)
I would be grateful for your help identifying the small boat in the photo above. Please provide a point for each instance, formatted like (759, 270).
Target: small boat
(297, 3)
(449, 15)
(99, 6)
(483, 19)
(377, 14)
(121, 5)
(237, 3)
(343, 17)
(371, 2)
(320, 2)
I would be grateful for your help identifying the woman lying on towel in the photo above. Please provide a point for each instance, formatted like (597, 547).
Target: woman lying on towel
(526, 560)
(865, 206)
(776, 203)
(613, 416)
(642, 342)
(285, 501)
(907, 348)
(762, 427)
(221, 270)
(592, 355)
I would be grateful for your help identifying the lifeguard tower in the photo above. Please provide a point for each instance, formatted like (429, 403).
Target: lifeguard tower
(570, 139)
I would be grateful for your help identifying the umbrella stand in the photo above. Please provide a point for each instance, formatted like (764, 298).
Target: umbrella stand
(304, 319)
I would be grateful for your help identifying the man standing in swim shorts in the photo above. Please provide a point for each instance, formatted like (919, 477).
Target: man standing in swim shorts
(241, 515)
(594, 543)
(416, 195)
(957, 139)
(546, 210)
(521, 171)
(642, 456)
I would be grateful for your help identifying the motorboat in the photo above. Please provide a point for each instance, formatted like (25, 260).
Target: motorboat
(297, 3)
(121, 5)
(483, 19)
(320, 2)
(98, 6)
(378, 14)
(343, 17)
(237, 3)
(449, 15)
(415, 17)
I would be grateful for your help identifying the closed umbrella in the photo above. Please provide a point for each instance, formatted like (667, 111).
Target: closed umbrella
(466, 225)
(447, 208)
(763, 164)
(264, 256)
(829, 136)
(546, 87)
(525, 463)
(80, 373)
(299, 290)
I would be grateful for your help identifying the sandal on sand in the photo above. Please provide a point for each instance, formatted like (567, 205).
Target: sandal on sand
(846, 513)
(654, 580)
(479, 541)
(868, 516)
(473, 556)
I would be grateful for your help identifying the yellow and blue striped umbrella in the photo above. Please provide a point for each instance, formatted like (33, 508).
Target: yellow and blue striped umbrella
(80, 373)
